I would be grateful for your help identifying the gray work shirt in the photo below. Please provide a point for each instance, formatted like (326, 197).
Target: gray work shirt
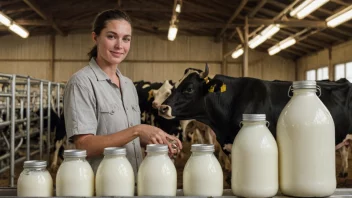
(93, 104)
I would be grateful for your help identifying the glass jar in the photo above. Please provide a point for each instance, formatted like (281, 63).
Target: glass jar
(157, 174)
(115, 176)
(75, 176)
(254, 159)
(306, 140)
(202, 175)
(35, 180)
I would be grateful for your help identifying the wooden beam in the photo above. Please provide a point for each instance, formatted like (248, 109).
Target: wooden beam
(344, 2)
(330, 36)
(234, 15)
(257, 7)
(341, 32)
(240, 35)
(7, 12)
(9, 2)
(289, 23)
(45, 16)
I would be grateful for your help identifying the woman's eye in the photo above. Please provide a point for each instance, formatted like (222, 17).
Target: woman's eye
(126, 39)
(111, 36)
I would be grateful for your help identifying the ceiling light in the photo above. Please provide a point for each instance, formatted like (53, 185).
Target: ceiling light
(237, 53)
(5, 19)
(287, 43)
(178, 8)
(281, 45)
(19, 30)
(273, 50)
(263, 36)
(307, 7)
(340, 17)
(172, 32)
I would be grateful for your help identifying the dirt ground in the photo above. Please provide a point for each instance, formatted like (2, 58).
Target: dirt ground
(179, 164)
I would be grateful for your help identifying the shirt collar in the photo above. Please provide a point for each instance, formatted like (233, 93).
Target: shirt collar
(100, 74)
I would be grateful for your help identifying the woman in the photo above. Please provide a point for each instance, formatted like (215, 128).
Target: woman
(101, 105)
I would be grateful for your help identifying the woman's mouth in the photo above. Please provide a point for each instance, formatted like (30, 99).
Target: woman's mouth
(116, 54)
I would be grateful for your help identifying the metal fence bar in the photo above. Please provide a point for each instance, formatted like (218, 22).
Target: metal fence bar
(28, 127)
(49, 124)
(12, 136)
(41, 121)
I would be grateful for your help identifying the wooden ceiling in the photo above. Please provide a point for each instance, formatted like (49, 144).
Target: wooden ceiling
(220, 19)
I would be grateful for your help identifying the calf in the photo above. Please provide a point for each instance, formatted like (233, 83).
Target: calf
(221, 101)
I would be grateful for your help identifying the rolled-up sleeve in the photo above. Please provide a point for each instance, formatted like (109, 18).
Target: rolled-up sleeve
(79, 110)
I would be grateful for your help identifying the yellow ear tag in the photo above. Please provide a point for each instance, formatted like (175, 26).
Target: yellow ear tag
(223, 88)
(150, 94)
(211, 89)
(206, 80)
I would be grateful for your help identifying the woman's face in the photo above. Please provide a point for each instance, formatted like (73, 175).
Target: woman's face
(113, 42)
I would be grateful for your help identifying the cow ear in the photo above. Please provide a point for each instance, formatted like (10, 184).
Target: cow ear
(215, 85)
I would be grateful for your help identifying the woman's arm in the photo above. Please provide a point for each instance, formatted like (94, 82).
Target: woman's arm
(95, 144)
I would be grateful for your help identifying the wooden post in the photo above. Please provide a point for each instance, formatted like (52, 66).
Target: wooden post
(331, 67)
(52, 57)
(245, 49)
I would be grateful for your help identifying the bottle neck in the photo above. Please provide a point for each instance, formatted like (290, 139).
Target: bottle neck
(68, 159)
(250, 123)
(164, 153)
(304, 91)
(114, 156)
(35, 169)
(197, 153)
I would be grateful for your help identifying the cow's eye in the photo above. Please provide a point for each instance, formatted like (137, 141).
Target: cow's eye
(188, 90)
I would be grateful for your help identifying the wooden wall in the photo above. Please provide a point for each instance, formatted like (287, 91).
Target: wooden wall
(339, 54)
(151, 58)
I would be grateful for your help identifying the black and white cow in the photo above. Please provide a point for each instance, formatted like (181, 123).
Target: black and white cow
(221, 101)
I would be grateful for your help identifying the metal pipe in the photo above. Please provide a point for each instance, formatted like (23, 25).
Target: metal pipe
(49, 124)
(5, 139)
(8, 108)
(41, 121)
(4, 94)
(6, 75)
(58, 98)
(17, 161)
(28, 127)
(12, 135)
(21, 108)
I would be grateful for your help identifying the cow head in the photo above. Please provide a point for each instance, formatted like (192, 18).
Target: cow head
(161, 94)
(187, 98)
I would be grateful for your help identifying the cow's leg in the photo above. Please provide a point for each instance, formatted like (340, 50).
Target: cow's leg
(344, 161)
(58, 145)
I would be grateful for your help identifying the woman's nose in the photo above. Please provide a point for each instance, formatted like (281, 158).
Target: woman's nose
(118, 44)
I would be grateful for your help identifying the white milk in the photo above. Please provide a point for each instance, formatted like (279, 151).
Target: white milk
(157, 174)
(115, 176)
(254, 157)
(75, 176)
(202, 175)
(305, 134)
(35, 182)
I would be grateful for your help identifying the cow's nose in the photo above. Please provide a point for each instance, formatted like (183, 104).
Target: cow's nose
(164, 109)
(154, 105)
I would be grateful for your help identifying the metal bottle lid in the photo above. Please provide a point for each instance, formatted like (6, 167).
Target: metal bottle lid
(253, 117)
(202, 148)
(75, 153)
(34, 164)
(306, 84)
(114, 151)
(157, 148)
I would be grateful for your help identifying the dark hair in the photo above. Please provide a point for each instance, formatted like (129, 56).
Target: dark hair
(100, 23)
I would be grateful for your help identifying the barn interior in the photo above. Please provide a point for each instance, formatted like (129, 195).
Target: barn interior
(43, 43)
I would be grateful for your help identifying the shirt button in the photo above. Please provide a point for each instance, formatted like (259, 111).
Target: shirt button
(112, 112)
(131, 124)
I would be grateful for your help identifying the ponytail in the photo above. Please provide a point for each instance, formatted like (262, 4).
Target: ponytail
(93, 53)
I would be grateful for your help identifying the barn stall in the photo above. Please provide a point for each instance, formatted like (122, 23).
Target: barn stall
(221, 34)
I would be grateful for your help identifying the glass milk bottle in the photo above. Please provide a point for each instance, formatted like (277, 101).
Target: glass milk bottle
(35, 180)
(254, 157)
(115, 175)
(306, 140)
(157, 174)
(202, 175)
(75, 176)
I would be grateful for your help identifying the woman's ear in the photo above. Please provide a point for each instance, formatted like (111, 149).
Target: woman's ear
(94, 37)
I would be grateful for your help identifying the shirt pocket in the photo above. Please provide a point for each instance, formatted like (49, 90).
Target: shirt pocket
(136, 114)
(112, 118)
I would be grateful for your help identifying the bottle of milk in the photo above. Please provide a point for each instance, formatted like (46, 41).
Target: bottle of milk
(115, 175)
(157, 174)
(75, 176)
(202, 175)
(254, 157)
(306, 140)
(35, 180)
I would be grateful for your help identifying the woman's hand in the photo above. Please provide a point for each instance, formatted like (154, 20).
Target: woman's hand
(152, 135)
